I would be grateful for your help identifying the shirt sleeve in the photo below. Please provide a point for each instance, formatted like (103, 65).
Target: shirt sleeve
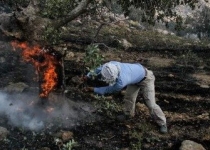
(108, 89)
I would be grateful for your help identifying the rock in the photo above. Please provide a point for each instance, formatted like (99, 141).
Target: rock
(134, 24)
(123, 92)
(171, 75)
(16, 87)
(69, 56)
(3, 133)
(191, 145)
(122, 44)
(67, 135)
(126, 44)
(64, 135)
(77, 80)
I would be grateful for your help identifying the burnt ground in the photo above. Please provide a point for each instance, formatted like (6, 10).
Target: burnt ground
(182, 91)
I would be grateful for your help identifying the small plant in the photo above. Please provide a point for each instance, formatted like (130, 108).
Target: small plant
(107, 107)
(92, 58)
(136, 136)
(136, 139)
(70, 145)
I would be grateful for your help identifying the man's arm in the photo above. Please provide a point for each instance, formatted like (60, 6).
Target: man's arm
(108, 89)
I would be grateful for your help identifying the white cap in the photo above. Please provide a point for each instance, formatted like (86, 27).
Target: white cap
(110, 72)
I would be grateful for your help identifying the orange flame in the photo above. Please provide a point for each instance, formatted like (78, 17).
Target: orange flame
(47, 65)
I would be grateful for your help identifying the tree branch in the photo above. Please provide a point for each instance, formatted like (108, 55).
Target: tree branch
(80, 9)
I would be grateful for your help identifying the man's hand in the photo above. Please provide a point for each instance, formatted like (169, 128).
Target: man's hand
(84, 78)
(88, 89)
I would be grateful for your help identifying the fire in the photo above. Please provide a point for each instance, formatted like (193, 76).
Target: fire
(44, 63)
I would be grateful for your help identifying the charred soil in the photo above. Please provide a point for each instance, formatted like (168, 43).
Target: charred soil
(182, 91)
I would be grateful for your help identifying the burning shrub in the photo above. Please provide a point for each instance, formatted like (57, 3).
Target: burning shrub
(45, 61)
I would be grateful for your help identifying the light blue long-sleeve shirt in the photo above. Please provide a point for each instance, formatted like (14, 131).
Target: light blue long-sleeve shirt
(129, 74)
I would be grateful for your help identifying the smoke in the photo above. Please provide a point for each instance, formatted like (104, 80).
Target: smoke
(19, 114)
(23, 110)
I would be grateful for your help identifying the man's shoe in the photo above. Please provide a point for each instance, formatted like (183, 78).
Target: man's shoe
(163, 129)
